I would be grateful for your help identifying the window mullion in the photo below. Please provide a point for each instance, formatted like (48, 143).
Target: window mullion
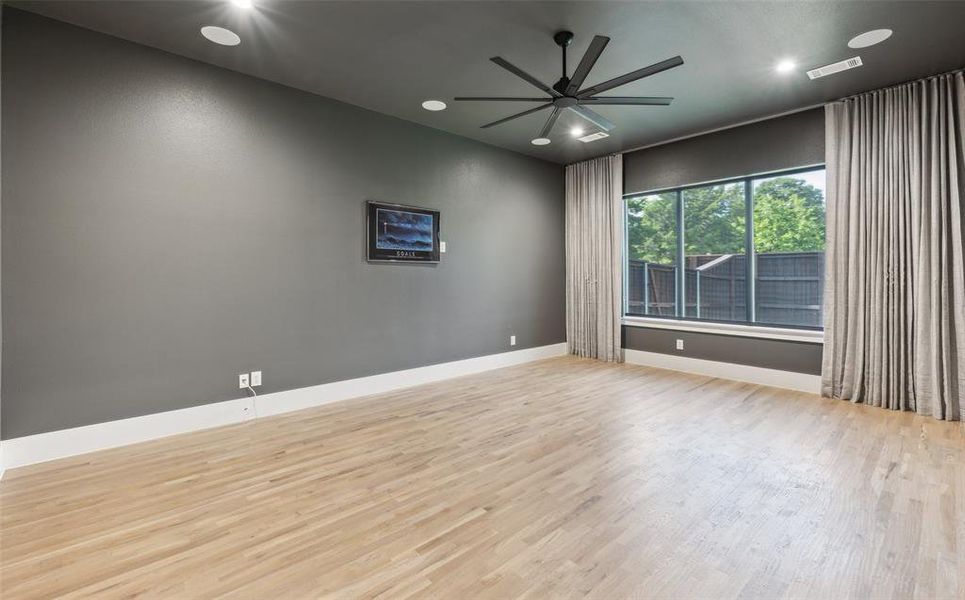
(626, 259)
(750, 265)
(681, 308)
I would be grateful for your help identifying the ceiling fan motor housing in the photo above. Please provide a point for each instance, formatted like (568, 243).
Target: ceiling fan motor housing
(561, 85)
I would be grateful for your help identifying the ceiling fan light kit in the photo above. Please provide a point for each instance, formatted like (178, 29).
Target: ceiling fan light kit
(566, 93)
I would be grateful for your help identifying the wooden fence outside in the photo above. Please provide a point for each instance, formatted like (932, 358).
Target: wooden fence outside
(789, 288)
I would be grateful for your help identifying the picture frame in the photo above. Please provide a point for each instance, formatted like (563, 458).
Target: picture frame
(402, 233)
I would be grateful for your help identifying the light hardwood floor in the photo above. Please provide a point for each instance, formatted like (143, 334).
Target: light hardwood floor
(559, 479)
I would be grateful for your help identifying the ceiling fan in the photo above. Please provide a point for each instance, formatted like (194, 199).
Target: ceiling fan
(566, 93)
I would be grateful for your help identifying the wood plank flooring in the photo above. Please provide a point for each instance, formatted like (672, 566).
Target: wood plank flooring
(564, 478)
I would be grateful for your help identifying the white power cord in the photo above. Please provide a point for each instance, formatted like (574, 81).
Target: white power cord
(254, 405)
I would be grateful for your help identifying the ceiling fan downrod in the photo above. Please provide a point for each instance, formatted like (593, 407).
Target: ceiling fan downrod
(563, 39)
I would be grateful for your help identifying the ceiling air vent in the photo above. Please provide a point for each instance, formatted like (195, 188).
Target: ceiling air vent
(594, 137)
(837, 67)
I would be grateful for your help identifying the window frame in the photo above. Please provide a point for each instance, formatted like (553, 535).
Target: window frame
(681, 322)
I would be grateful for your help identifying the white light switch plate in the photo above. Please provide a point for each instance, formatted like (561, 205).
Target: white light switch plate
(255, 378)
(512, 340)
(442, 247)
(680, 344)
(243, 381)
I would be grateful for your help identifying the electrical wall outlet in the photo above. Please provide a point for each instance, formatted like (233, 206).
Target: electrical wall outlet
(512, 340)
(255, 378)
(243, 381)
(680, 344)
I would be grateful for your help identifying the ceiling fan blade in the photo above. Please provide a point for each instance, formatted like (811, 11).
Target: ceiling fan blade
(492, 99)
(516, 116)
(629, 77)
(634, 100)
(524, 75)
(548, 126)
(593, 117)
(586, 63)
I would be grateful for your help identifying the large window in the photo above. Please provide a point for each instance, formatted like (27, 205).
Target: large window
(745, 251)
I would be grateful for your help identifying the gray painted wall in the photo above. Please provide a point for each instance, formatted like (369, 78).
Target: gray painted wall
(799, 357)
(787, 142)
(167, 225)
(782, 143)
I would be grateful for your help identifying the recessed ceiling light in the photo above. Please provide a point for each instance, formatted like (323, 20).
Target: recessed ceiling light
(870, 38)
(576, 131)
(540, 141)
(246, 4)
(434, 105)
(785, 66)
(220, 35)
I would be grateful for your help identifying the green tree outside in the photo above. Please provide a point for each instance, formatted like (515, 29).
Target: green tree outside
(651, 228)
(788, 217)
(714, 220)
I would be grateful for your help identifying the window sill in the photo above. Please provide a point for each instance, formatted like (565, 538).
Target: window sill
(754, 331)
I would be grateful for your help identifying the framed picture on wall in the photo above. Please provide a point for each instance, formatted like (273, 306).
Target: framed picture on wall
(398, 233)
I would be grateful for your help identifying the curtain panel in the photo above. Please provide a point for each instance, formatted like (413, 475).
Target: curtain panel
(895, 277)
(594, 253)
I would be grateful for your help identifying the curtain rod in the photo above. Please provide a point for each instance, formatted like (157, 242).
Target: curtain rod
(897, 85)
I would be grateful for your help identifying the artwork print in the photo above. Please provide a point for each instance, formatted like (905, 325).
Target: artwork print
(403, 230)
(400, 233)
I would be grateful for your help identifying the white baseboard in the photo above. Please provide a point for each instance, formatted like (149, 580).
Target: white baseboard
(32, 449)
(62, 443)
(784, 379)
(282, 402)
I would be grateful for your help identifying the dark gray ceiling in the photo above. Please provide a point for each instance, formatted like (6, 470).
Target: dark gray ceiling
(390, 56)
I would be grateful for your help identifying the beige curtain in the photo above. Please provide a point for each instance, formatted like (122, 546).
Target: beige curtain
(594, 248)
(895, 286)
